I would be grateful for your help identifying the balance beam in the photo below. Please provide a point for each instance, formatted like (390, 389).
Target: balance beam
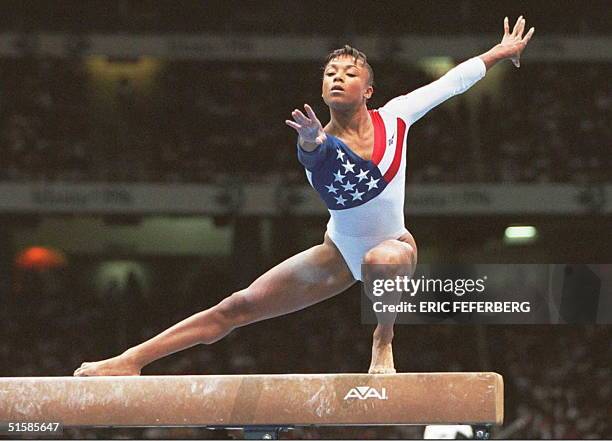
(256, 400)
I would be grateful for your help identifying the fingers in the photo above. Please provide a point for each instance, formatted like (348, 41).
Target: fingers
(506, 27)
(516, 61)
(310, 112)
(516, 25)
(528, 36)
(521, 28)
(293, 125)
(299, 117)
(302, 121)
(522, 44)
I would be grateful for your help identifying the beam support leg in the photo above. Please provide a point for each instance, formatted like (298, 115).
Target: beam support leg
(263, 432)
(482, 431)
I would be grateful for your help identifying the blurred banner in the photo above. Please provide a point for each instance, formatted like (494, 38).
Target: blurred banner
(287, 48)
(271, 200)
(488, 294)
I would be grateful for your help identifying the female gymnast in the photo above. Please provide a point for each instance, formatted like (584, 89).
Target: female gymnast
(357, 165)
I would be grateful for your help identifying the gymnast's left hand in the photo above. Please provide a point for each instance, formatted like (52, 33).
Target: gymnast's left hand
(513, 43)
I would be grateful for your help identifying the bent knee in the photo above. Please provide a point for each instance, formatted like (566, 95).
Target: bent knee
(238, 309)
(396, 254)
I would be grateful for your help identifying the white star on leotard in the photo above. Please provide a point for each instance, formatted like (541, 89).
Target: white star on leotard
(338, 176)
(340, 200)
(357, 195)
(331, 188)
(363, 174)
(340, 154)
(372, 183)
(348, 167)
(348, 186)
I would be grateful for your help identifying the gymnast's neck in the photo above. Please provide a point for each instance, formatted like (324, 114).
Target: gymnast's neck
(351, 121)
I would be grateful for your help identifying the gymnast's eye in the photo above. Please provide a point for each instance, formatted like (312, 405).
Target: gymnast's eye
(330, 74)
(351, 75)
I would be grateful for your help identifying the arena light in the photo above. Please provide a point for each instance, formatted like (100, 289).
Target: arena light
(40, 258)
(138, 70)
(435, 67)
(520, 234)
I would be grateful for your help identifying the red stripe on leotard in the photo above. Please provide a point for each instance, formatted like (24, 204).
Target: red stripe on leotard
(399, 148)
(380, 137)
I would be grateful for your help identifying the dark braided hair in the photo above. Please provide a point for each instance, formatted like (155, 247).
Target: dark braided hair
(350, 51)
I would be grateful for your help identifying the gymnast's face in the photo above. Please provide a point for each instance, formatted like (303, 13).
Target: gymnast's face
(346, 83)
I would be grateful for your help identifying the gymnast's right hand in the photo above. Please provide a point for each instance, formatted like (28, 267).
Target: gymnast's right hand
(309, 128)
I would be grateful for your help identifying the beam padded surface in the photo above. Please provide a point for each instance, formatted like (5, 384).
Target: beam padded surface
(239, 400)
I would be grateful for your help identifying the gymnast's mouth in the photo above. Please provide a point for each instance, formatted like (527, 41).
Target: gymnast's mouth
(336, 88)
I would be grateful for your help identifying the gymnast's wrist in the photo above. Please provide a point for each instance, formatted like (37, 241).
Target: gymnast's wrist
(307, 145)
(492, 56)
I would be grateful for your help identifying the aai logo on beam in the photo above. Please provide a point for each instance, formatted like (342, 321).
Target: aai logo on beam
(365, 392)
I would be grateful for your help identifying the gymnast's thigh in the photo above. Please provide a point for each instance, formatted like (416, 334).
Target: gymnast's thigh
(300, 281)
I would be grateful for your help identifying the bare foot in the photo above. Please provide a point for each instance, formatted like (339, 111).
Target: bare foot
(382, 360)
(119, 365)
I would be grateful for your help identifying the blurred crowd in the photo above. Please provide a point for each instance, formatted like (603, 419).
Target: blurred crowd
(203, 121)
(558, 379)
(320, 17)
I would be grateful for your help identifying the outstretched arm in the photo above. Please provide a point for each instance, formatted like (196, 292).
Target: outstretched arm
(413, 106)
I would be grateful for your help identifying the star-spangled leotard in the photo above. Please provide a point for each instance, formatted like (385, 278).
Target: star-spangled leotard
(365, 198)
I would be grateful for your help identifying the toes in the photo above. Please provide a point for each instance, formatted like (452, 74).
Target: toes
(80, 371)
